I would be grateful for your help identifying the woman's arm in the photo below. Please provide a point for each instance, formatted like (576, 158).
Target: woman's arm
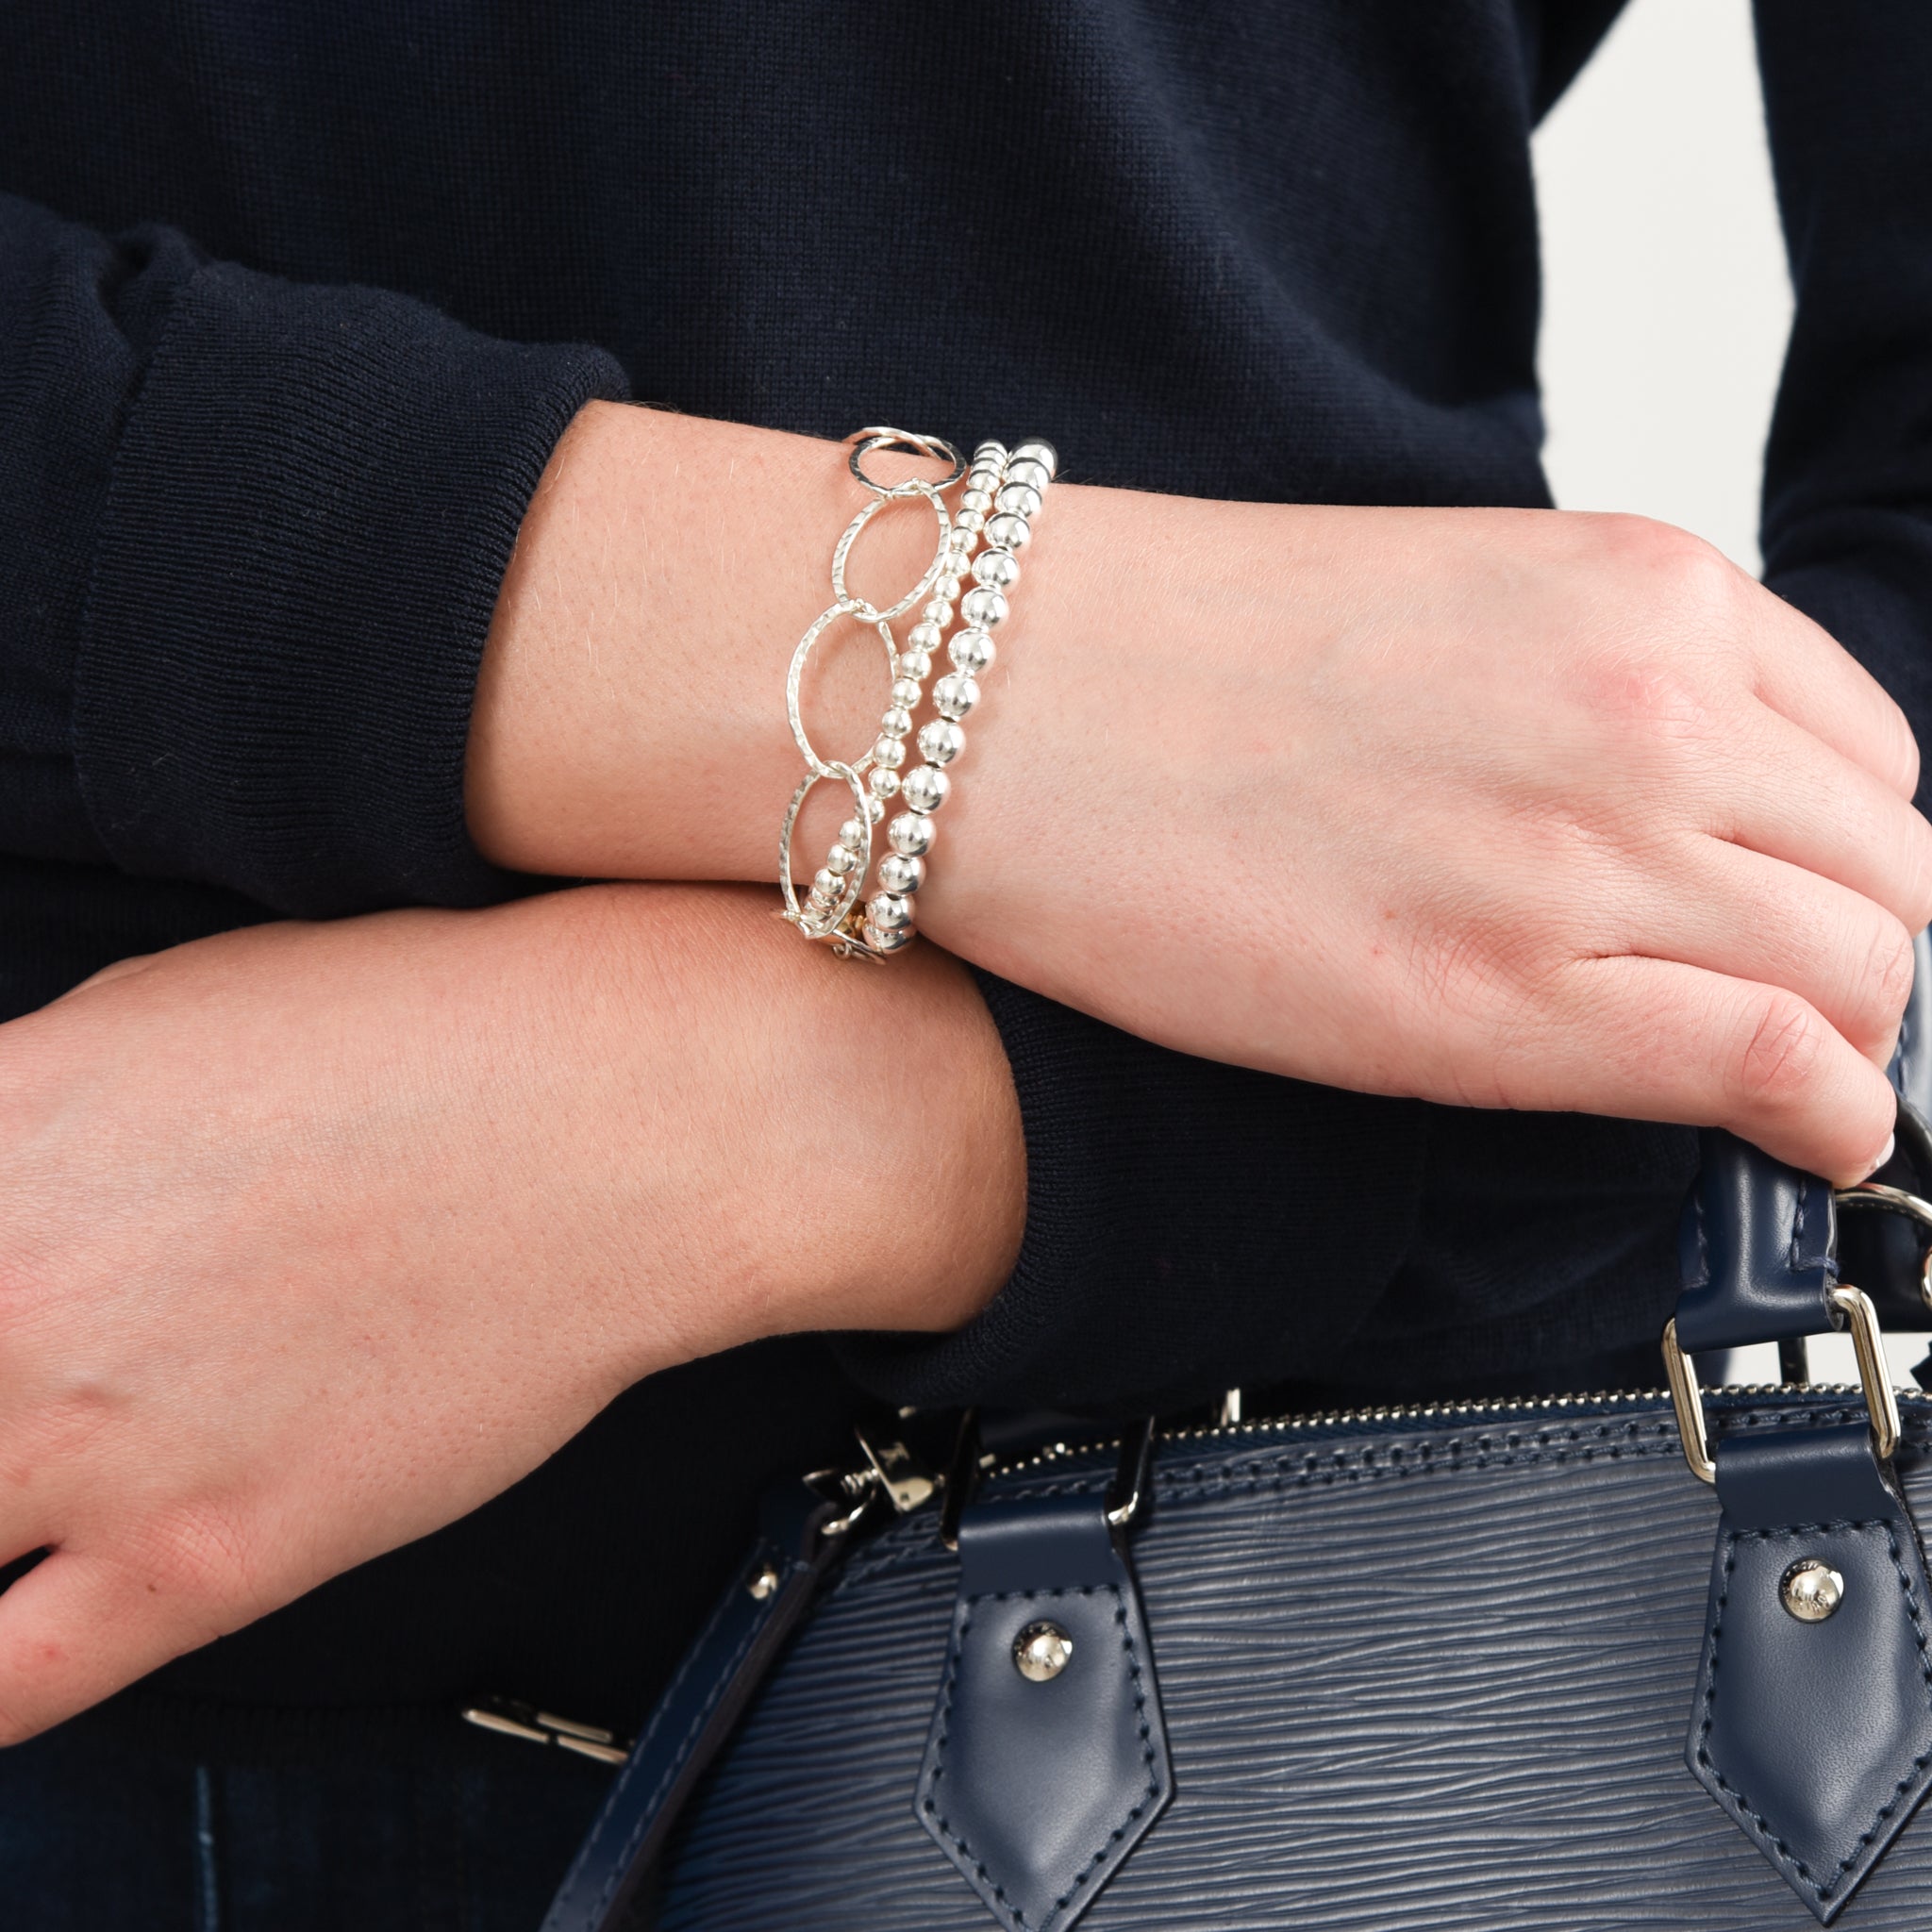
(1493, 806)
(314, 1238)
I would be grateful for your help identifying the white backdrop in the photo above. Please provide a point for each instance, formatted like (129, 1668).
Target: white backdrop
(1666, 301)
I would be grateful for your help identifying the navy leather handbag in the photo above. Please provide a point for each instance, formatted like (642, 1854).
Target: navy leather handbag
(1460, 1668)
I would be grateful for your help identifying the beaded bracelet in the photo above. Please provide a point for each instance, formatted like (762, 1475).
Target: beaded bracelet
(1004, 493)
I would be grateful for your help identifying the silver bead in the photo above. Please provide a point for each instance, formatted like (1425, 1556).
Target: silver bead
(976, 500)
(955, 695)
(984, 477)
(1033, 476)
(972, 652)
(991, 451)
(1008, 531)
(1036, 449)
(896, 723)
(999, 568)
(911, 834)
(905, 693)
(1020, 500)
(941, 742)
(898, 873)
(823, 882)
(884, 781)
(971, 520)
(890, 753)
(852, 835)
(948, 588)
(876, 806)
(888, 911)
(882, 941)
(960, 544)
(925, 788)
(913, 664)
(924, 637)
(938, 612)
(839, 861)
(983, 608)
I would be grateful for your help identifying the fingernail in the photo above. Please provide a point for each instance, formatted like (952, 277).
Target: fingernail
(1884, 1155)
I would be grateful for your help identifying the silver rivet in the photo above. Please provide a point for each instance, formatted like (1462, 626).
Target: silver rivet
(1041, 1652)
(764, 1583)
(1811, 1590)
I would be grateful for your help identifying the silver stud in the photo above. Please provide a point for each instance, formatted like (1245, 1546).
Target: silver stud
(765, 1583)
(1811, 1590)
(1041, 1652)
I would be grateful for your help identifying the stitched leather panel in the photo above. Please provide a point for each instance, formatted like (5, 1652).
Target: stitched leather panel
(1815, 1737)
(1416, 1678)
(1038, 1792)
(1756, 1249)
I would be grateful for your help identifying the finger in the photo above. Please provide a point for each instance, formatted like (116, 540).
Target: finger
(1791, 796)
(76, 1628)
(1734, 911)
(1658, 1039)
(1805, 673)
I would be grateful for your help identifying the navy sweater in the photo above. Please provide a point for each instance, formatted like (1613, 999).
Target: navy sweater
(295, 302)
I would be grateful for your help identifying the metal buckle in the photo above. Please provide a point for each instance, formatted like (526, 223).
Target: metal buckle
(1881, 1399)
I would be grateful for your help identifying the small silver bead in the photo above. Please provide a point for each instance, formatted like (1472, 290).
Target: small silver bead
(882, 941)
(890, 753)
(916, 665)
(941, 742)
(905, 693)
(972, 652)
(1033, 476)
(852, 835)
(1020, 500)
(839, 861)
(971, 520)
(955, 695)
(924, 637)
(884, 781)
(991, 451)
(899, 873)
(983, 608)
(960, 544)
(925, 788)
(1008, 531)
(896, 723)
(979, 500)
(948, 588)
(999, 568)
(984, 477)
(876, 806)
(911, 834)
(888, 911)
(823, 882)
(938, 612)
(1036, 449)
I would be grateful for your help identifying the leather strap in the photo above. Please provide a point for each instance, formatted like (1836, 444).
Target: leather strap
(758, 1610)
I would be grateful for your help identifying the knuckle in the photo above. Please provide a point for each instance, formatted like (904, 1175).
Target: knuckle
(1782, 1040)
(1888, 973)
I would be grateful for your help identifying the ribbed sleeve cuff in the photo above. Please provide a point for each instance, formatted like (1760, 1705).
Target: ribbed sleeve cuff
(312, 509)
(1190, 1227)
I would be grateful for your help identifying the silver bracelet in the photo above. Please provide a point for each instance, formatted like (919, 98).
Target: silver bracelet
(1004, 493)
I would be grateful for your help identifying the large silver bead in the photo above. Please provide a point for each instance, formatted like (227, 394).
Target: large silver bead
(955, 695)
(916, 665)
(925, 788)
(888, 911)
(884, 782)
(1036, 449)
(926, 636)
(1020, 500)
(972, 650)
(999, 568)
(1008, 531)
(882, 941)
(941, 742)
(852, 835)
(905, 692)
(1031, 475)
(889, 753)
(983, 608)
(899, 873)
(911, 834)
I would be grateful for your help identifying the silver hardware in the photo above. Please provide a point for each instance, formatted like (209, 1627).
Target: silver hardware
(1131, 1477)
(1881, 1399)
(1041, 1652)
(1876, 1196)
(1228, 1411)
(764, 1583)
(906, 1482)
(510, 1718)
(1811, 1590)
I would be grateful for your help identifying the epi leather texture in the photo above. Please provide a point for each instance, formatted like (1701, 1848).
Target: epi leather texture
(1038, 1792)
(1426, 1674)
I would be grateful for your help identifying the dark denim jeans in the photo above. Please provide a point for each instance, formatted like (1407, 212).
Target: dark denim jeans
(98, 1838)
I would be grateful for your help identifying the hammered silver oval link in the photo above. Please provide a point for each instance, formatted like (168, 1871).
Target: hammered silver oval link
(858, 606)
(866, 441)
(829, 928)
(794, 679)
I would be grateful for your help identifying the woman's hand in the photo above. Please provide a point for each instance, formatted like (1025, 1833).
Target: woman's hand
(1507, 808)
(314, 1238)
